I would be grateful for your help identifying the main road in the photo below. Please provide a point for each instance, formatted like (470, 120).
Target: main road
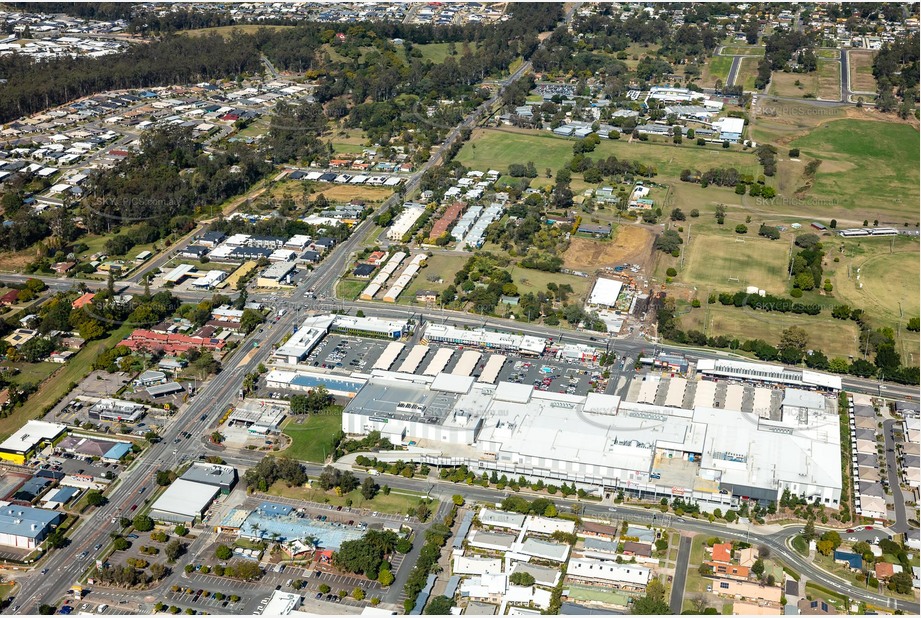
(65, 567)
(775, 539)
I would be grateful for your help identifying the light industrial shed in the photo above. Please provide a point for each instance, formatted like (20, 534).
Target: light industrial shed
(183, 502)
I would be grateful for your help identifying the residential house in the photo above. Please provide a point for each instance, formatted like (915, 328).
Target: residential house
(815, 608)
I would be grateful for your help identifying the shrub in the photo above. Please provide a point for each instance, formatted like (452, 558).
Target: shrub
(671, 272)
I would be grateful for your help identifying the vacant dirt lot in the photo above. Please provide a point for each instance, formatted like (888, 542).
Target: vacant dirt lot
(631, 244)
(344, 193)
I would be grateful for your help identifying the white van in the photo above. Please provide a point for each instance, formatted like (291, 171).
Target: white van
(102, 608)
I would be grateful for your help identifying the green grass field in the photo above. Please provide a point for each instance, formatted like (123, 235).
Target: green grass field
(829, 80)
(833, 337)
(722, 262)
(439, 266)
(314, 438)
(535, 281)
(748, 70)
(437, 52)
(828, 53)
(349, 289)
(33, 373)
(887, 280)
(393, 502)
(599, 595)
(717, 68)
(496, 148)
(870, 167)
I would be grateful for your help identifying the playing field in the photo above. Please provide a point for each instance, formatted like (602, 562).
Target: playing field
(871, 167)
(887, 280)
(496, 148)
(860, 64)
(721, 262)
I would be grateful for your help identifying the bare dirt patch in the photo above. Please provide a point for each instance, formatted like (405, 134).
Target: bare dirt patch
(344, 193)
(861, 67)
(631, 244)
(16, 262)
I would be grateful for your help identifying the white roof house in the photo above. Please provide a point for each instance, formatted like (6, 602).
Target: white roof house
(501, 519)
(608, 571)
(472, 565)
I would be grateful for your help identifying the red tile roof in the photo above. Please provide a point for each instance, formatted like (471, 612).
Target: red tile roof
(722, 552)
(450, 215)
(84, 300)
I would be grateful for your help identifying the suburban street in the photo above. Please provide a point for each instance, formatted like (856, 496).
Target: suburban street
(316, 292)
(892, 468)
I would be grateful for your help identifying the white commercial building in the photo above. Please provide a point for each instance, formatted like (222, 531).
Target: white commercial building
(605, 292)
(183, 502)
(761, 372)
(481, 338)
(713, 456)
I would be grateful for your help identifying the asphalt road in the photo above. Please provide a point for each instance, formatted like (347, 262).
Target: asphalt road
(681, 575)
(734, 70)
(776, 541)
(66, 567)
(892, 466)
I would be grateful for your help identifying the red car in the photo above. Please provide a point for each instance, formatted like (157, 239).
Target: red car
(849, 530)
(868, 527)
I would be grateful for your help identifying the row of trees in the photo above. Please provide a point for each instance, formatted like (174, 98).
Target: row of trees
(271, 469)
(793, 347)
